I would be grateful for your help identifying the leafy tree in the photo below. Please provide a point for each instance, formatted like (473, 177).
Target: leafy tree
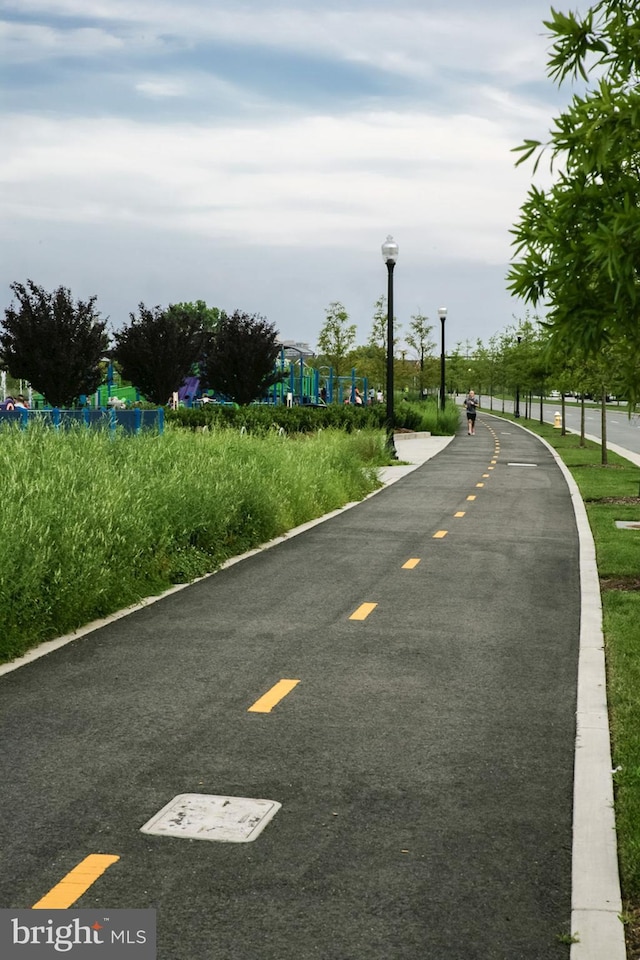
(337, 337)
(577, 245)
(53, 343)
(241, 362)
(159, 348)
(419, 339)
(208, 316)
(378, 339)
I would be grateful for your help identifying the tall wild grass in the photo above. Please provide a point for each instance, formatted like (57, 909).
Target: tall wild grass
(92, 523)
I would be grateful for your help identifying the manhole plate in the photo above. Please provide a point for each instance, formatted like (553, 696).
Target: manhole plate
(628, 524)
(198, 816)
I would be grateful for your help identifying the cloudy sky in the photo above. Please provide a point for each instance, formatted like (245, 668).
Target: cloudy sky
(256, 154)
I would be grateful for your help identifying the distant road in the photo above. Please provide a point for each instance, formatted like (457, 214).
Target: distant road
(620, 429)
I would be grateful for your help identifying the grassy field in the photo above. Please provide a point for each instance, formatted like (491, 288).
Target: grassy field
(611, 493)
(92, 523)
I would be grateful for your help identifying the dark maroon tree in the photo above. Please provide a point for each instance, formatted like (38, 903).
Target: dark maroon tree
(241, 357)
(159, 348)
(53, 343)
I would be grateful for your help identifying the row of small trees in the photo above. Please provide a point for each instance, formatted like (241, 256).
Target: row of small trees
(60, 346)
(337, 346)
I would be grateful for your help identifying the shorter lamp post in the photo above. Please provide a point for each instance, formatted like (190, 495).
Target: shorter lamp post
(390, 255)
(442, 313)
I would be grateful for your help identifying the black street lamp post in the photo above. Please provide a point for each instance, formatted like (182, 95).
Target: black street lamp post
(390, 255)
(516, 412)
(442, 313)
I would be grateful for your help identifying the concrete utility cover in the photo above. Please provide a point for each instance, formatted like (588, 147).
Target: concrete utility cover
(198, 816)
(628, 524)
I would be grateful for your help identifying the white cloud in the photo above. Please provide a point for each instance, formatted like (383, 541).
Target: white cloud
(408, 41)
(162, 87)
(28, 43)
(128, 183)
(305, 180)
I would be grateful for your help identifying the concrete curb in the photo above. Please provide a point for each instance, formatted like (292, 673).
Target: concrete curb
(596, 902)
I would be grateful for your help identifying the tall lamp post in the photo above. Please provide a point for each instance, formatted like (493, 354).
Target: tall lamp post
(390, 255)
(516, 412)
(442, 313)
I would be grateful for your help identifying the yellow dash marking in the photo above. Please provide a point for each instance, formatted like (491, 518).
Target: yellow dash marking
(472, 497)
(363, 611)
(440, 534)
(272, 697)
(490, 468)
(460, 513)
(479, 484)
(494, 461)
(485, 475)
(76, 882)
(411, 564)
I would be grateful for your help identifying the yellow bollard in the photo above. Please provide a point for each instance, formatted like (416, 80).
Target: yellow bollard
(557, 420)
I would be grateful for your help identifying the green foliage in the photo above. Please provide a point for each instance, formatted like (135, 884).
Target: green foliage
(207, 316)
(419, 339)
(336, 338)
(53, 343)
(159, 348)
(92, 524)
(241, 357)
(263, 418)
(577, 245)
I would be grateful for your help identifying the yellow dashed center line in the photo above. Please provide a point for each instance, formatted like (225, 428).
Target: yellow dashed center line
(440, 534)
(479, 484)
(76, 882)
(272, 697)
(411, 564)
(472, 497)
(460, 513)
(363, 611)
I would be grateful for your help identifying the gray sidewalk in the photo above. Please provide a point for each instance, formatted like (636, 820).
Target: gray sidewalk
(424, 762)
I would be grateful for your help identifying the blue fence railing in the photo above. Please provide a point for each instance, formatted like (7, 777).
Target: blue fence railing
(131, 421)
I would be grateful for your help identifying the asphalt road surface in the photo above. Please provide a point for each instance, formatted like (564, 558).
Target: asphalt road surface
(424, 760)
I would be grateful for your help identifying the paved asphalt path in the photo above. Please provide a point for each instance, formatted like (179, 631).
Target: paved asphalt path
(424, 761)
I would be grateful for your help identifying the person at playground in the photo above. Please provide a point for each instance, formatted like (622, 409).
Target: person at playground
(358, 398)
(20, 403)
(471, 405)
